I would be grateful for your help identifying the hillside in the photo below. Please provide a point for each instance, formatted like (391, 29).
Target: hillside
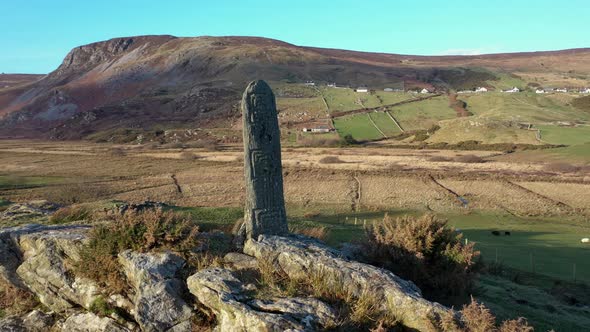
(140, 85)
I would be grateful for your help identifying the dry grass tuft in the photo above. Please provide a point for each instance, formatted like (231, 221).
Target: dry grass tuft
(476, 317)
(321, 233)
(14, 300)
(469, 159)
(189, 156)
(331, 160)
(70, 214)
(75, 193)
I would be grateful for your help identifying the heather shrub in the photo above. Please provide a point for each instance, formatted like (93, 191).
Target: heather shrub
(138, 231)
(425, 251)
(476, 317)
(73, 193)
(561, 167)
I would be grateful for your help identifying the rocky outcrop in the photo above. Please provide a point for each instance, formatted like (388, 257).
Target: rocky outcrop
(35, 321)
(299, 257)
(158, 302)
(219, 290)
(89, 322)
(41, 254)
(32, 211)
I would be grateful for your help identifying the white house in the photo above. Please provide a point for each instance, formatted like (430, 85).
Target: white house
(561, 90)
(513, 90)
(539, 91)
(481, 89)
(362, 89)
(587, 90)
(331, 85)
(318, 129)
(309, 83)
(424, 91)
(388, 90)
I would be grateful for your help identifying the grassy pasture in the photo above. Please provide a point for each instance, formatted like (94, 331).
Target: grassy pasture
(423, 114)
(385, 123)
(359, 126)
(522, 107)
(565, 135)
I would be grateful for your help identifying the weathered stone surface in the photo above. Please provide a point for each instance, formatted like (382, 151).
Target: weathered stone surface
(158, 302)
(265, 205)
(35, 321)
(223, 293)
(45, 252)
(89, 322)
(299, 257)
(30, 212)
(239, 261)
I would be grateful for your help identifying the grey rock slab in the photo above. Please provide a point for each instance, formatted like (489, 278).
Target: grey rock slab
(219, 290)
(89, 322)
(300, 256)
(158, 304)
(45, 252)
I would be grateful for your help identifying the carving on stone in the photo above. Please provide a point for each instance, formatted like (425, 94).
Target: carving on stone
(265, 205)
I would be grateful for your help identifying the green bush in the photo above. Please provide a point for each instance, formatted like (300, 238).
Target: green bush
(425, 251)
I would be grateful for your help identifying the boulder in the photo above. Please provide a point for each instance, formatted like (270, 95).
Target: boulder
(158, 302)
(300, 256)
(35, 321)
(239, 261)
(45, 252)
(219, 290)
(89, 322)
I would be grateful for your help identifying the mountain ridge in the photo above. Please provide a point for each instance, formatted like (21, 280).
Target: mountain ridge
(141, 81)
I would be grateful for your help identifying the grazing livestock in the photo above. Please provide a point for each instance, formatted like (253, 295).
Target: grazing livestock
(585, 240)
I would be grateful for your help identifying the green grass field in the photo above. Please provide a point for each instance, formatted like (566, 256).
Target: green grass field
(13, 182)
(384, 122)
(359, 126)
(341, 99)
(565, 135)
(522, 107)
(423, 114)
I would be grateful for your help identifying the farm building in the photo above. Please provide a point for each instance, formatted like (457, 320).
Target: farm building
(561, 90)
(331, 85)
(539, 91)
(513, 90)
(318, 129)
(309, 83)
(362, 89)
(424, 91)
(585, 90)
(388, 90)
(481, 89)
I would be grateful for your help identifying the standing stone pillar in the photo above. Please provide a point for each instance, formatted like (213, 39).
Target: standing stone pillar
(265, 205)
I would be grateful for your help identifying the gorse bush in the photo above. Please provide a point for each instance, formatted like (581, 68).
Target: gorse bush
(425, 251)
(138, 231)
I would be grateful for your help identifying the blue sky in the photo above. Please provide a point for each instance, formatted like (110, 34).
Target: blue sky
(35, 35)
